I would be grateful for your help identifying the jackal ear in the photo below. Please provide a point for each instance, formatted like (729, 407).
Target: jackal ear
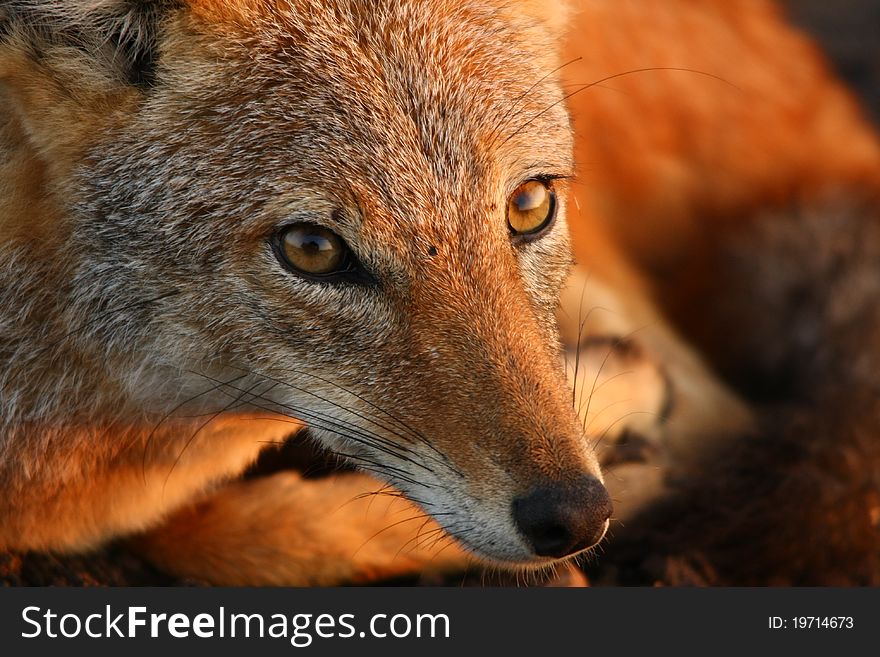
(66, 64)
(120, 36)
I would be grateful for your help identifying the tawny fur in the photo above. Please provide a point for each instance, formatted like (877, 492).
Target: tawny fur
(674, 163)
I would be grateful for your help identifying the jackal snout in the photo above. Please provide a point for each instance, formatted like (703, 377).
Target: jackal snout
(529, 488)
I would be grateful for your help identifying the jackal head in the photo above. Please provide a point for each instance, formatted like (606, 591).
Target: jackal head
(348, 212)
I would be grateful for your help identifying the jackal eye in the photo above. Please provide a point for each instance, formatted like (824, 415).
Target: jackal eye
(531, 209)
(312, 250)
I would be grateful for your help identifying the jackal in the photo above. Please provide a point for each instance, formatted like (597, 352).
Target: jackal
(224, 220)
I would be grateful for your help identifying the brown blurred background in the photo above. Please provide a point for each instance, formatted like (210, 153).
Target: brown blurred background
(849, 30)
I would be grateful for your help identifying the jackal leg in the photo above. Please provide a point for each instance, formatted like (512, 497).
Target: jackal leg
(646, 399)
(286, 530)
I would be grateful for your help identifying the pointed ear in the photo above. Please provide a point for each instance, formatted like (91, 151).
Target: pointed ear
(68, 65)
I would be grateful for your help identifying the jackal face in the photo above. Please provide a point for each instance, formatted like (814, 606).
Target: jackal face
(348, 213)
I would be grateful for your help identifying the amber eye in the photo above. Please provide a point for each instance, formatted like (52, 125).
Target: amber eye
(313, 250)
(531, 208)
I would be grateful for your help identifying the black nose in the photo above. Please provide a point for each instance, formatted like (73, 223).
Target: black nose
(563, 519)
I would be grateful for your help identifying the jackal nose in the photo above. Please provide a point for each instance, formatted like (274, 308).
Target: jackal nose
(564, 519)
